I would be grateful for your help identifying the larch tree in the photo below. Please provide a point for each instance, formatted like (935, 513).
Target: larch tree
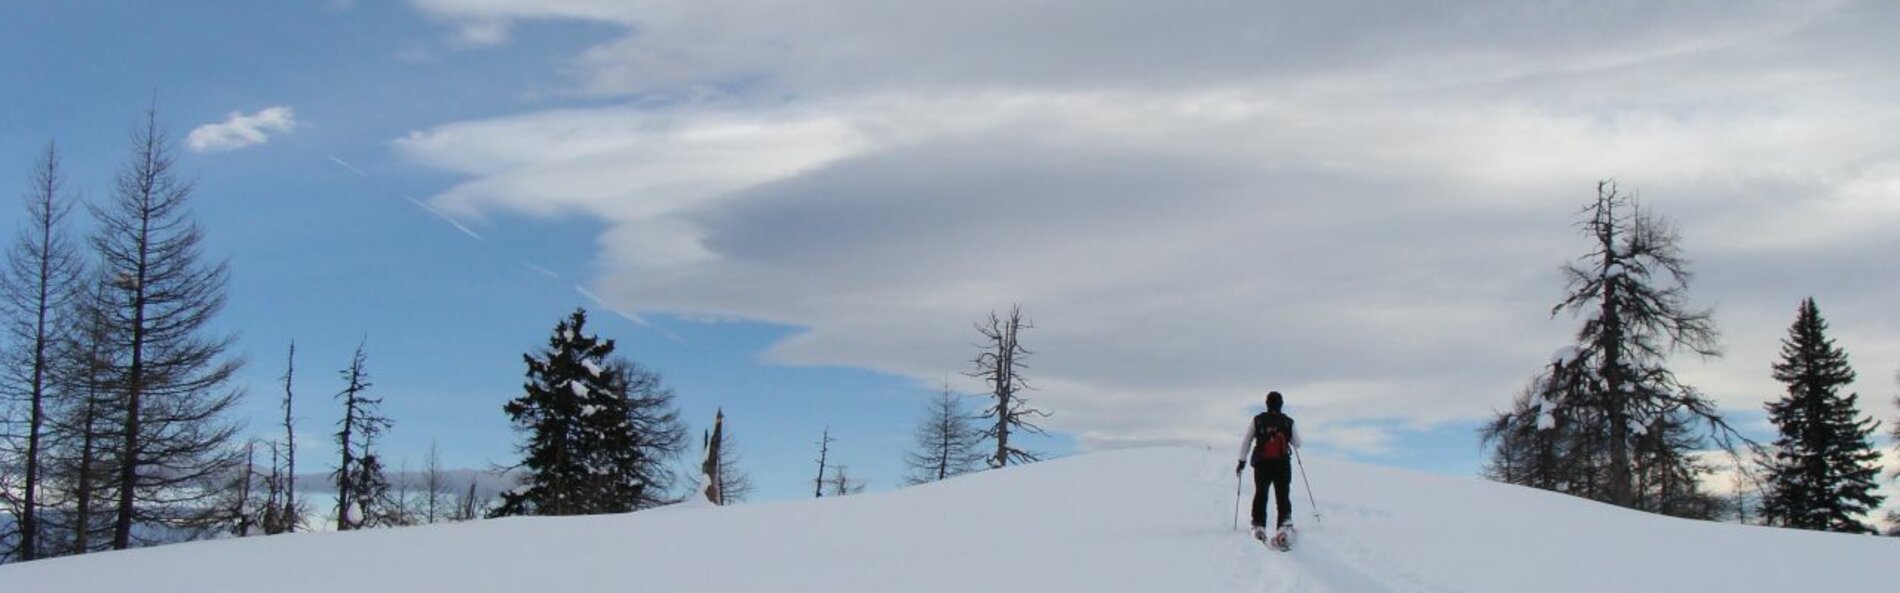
(435, 485)
(171, 373)
(1607, 419)
(721, 480)
(38, 289)
(945, 442)
(841, 483)
(86, 429)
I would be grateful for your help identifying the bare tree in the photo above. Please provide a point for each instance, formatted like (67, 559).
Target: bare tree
(358, 477)
(1000, 365)
(172, 378)
(721, 480)
(37, 294)
(241, 486)
(841, 482)
(824, 455)
(85, 429)
(435, 483)
(472, 505)
(946, 443)
(292, 513)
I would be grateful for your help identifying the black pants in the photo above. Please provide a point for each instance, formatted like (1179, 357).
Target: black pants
(1277, 475)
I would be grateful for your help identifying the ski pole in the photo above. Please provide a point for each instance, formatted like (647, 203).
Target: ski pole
(1308, 484)
(1236, 501)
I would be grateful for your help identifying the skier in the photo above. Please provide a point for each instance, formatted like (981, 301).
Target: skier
(1269, 444)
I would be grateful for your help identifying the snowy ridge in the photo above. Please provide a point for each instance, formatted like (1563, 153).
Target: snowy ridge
(1156, 520)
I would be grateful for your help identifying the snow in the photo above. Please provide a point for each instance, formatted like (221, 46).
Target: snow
(589, 410)
(1565, 355)
(1135, 520)
(579, 389)
(592, 368)
(1546, 411)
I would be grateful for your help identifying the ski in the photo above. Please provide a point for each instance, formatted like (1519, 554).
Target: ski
(1282, 539)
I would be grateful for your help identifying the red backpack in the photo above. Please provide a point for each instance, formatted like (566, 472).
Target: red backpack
(1270, 431)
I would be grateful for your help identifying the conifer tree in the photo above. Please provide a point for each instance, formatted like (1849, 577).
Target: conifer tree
(170, 376)
(435, 484)
(1584, 425)
(723, 481)
(1893, 517)
(39, 286)
(842, 484)
(946, 445)
(86, 431)
(359, 480)
(1823, 471)
(598, 432)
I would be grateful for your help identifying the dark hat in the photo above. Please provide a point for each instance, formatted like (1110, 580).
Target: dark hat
(1274, 401)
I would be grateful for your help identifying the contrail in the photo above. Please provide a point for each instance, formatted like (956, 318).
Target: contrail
(352, 168)
(542, 270)
(445, 218)
(629, 316)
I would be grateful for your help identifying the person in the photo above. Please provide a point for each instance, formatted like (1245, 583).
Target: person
(1269, 444)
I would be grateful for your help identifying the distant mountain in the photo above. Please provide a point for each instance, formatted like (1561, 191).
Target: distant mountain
(488, 483)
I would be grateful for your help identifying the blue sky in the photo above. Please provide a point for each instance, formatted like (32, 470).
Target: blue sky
(806, 206)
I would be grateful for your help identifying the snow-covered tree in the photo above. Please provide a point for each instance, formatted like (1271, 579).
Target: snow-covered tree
(1824, 467)
(946, 443)
(1585, 424)
(721, 480)
(598, 431)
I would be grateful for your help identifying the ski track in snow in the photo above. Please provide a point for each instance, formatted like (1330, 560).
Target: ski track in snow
(1319, 562)
(1140, 521)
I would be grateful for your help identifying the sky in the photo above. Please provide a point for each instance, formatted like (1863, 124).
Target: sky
(796, 211)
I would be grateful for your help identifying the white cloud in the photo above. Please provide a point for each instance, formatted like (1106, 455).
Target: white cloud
(240, 130)
(1202, 201)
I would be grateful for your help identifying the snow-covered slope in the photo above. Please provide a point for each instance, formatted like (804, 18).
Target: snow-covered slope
(1147, 520)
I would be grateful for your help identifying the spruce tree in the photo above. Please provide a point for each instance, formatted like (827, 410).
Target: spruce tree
(598, 431)
(1823, 470)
